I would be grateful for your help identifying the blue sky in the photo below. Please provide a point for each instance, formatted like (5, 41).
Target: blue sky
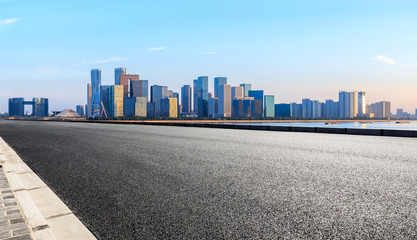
(291, 49)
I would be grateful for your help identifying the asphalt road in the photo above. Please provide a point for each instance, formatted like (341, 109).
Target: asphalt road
(156, 182)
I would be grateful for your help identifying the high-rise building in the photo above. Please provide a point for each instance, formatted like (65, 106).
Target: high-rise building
(316, 110)
(89, 108)
(158, 93)
(139, 88)
(213, 107)
(117, 73)
(242, 107)
(124, 81)
(105, 101)
(283, 110)
(150, 110)
(269, 106)
(186, 99)
(40, 107)
(331, 109)
(307, 108)
(169, 107)
(16, 107)
(361, 104)
(348, 104)
(217, 82)
(258, 104)
(116, 98)
(237, 92)
(246, 88)
(381, 110)
(225, 103)
(201, 96)
(135, 106)
(296, 110)
(80, 110)
(95, 86)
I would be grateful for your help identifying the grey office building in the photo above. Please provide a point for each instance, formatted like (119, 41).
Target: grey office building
(157, 94)
(201, 96)
(139, 88)
(246, 88)
(80, 110)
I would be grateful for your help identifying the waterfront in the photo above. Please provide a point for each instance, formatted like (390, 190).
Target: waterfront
(389, 125)
(156, 182)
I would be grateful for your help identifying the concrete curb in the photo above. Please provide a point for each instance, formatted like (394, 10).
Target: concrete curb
(47, 216)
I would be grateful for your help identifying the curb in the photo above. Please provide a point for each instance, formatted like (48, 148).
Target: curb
(47, 216)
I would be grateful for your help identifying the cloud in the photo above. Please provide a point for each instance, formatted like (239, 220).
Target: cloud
(385, 59)
(108, 60)
(156, 48)
(209, 53)
(48, 68)
(8, 21)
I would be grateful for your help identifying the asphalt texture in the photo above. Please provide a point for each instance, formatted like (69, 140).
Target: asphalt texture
(161, 182)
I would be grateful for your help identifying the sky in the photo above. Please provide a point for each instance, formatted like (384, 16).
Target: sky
(290, 49)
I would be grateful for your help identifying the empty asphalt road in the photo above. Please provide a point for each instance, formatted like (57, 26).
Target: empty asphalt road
(157, 182)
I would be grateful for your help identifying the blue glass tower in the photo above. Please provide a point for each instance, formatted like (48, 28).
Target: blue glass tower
(257, 107)
(201, 96)
(217, 82)
(117, 73)
(95, 85)
(186, 99)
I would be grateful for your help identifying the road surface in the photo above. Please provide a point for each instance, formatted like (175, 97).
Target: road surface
(156, 182)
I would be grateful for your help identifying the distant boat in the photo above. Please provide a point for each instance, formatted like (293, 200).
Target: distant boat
(366, 122)
(401, 122)
(331, 123)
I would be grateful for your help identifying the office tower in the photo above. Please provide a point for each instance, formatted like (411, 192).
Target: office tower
(344, 102)
(105, 101)
(257, 106)
(307, 108)
(225, 103)
(316, 109)
(331, 109)
(283, 110)
(237, 92)
(213, 107)
(169, 107)
(135, 106)
(201, 96)
(242, 107)
(246, 88)
(186, 99)
(269, 106)
(124, 81)
(80, 110)
(361, 104)
(217, 82)
(354, 104)
(89, 108)
(116, 98)
(400, 113)
(16, 107)
(139, 88)
(158, 93)
(95, 87)
(296, 110)
(170, 94)
(150, 110)
(40, 107)
(117, 73)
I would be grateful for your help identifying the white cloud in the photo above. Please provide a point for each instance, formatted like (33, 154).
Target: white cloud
(48, 68)
(108, 60)
(209, 53)
(156, 48)
(385, 59)
(8, 21)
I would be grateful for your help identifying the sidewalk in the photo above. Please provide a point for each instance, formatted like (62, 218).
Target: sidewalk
(30, 209)
(12, 223)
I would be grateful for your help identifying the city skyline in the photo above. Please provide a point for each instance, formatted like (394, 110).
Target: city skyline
(295, 50)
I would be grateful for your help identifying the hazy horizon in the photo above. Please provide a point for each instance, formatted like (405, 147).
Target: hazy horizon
(292, 50)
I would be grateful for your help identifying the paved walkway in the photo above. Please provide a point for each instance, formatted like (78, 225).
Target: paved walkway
(12, 223)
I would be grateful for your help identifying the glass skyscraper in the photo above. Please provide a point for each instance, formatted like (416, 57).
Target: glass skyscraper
(246, 88)
(217, 82)
(257, 107)
(201, 96)
(186, 99)
(269, 106)
(139, 88)
(117, 73)
(157, 94)
(95, 86)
